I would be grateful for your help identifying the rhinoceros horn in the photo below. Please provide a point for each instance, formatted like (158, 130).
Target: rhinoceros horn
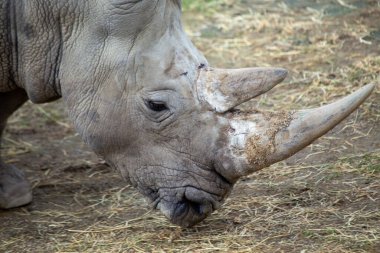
(259, 139)
(308, 125)
(227, 88)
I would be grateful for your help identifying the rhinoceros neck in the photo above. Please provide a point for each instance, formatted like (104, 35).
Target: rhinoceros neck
(36, 31)
(7, 80)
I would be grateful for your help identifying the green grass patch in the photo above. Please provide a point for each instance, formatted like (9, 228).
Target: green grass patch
(205, 6)
(367, 163)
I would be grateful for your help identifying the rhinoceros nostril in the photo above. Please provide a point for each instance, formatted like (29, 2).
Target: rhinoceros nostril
(196, 207)
(181, 209)
(186, 206)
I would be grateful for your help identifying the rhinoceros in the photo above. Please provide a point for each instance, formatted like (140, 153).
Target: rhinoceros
(146, 100)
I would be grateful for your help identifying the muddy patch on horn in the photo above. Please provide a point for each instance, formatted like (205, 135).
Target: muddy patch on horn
(259, 146)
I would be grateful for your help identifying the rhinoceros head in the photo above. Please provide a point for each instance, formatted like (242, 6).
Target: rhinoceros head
(146, 100)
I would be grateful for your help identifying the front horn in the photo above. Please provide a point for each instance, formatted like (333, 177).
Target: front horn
(258, 139)
(308, 125)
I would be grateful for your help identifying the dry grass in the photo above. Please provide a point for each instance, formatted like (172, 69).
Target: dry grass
(325, 199)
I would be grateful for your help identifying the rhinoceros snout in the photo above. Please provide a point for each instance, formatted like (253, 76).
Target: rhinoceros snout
(193, 207)
(188, 212)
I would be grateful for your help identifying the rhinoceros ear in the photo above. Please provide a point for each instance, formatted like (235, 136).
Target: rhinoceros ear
(224, 89)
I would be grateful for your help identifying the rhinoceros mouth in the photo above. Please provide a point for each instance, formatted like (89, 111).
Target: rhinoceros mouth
(187, 206)
(187, 195)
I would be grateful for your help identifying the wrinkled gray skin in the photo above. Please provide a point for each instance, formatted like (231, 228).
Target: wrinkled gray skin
(143, 97)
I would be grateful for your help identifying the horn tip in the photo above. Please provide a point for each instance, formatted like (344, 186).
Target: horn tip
(366, 90)
(370, 86)
(281, 73)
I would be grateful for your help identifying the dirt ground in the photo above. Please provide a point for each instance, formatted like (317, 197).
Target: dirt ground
(324, 199)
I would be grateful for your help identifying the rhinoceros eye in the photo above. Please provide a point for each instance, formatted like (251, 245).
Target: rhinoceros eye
(156, 106)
